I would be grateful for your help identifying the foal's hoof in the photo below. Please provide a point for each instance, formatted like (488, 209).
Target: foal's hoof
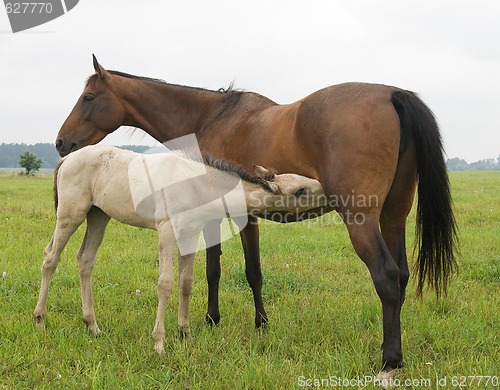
(95, 331)
(39, 321)
(184, 333)
(159, 349)
(92, 327)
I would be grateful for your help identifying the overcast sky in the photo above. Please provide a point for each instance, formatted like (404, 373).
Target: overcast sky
(447, 51)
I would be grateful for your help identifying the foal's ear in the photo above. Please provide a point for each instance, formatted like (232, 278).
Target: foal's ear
(273, 187)
(263, 173)
(99, 70)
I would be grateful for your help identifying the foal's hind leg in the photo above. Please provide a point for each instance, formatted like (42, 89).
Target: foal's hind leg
(65, 227)
(97, 221)
(371, 248)
(186, 277)
(166, 239)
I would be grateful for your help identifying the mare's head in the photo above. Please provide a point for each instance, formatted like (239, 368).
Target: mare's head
(98, 112)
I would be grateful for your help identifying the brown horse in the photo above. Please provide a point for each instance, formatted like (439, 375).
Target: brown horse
(369, 145)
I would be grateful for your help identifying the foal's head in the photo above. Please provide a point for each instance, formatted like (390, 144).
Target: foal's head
(288, 183)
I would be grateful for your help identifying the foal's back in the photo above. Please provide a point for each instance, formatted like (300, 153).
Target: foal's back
(97, 176)
(129, 187)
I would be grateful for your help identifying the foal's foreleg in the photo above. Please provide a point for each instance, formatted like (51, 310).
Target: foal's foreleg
(97, 221)
(186, 277)
(166, 239)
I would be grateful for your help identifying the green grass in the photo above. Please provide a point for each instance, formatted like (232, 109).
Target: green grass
(325, 316)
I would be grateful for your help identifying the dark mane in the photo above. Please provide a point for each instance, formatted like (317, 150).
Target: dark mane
(229, 91)
(92, 78)
(131, 76)
(229, 166)
(232, 95)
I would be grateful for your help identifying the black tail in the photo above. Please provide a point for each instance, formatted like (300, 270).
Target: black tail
(56, 172)
(435, 227)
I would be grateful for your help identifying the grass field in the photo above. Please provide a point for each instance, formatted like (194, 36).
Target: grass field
(325, 318)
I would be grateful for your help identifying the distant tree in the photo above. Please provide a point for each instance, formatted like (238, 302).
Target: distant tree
(30, 162)
(457, 164)
(487, 164)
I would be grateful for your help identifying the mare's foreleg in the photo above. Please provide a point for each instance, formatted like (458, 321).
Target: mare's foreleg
(166, 239)
(250, 241)
(212, 236)
(97, 221)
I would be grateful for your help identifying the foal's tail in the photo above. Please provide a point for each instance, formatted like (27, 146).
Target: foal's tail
(56, 172)
(435, 226)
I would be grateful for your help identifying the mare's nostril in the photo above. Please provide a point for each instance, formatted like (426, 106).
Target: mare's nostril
(59, 144)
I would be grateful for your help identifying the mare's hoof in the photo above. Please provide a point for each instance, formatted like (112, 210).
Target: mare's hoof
(212, 320)
(385, 379)
(261, 322)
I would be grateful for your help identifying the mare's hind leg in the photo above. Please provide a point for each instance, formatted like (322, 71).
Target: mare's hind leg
(396, 208)
(97, 221)
(394, 236)
(65, 227)
(371, 248)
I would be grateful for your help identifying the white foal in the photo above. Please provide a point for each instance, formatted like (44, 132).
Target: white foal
(166, 192)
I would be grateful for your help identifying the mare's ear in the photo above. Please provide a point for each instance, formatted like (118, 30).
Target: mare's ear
(99, 70)
(264, 173)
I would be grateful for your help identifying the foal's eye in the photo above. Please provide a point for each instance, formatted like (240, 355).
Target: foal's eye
(88, 98)
(299, 192)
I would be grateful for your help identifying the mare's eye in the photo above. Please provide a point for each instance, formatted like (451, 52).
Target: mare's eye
(88, 98)
(299, 192)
